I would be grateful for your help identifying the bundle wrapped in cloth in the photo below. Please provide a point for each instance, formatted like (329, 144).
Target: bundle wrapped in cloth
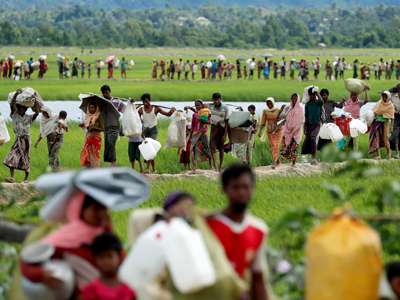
(28, 97)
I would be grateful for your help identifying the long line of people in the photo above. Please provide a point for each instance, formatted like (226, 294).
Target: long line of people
(208, 128)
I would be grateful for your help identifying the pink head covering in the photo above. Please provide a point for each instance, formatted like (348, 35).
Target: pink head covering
(353, 107)
(75, 232)
(294, 122)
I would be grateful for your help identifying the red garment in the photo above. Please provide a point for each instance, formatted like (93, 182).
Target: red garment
(97, 290)
(90, 154)
(35, 272)
(344, 124)
(242, 241)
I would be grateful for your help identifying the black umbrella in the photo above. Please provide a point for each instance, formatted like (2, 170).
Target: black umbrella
(104, 104)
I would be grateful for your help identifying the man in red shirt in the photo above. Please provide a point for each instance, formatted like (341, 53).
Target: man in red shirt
(241, 234)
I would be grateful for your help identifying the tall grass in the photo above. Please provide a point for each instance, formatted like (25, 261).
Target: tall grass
(167, 160)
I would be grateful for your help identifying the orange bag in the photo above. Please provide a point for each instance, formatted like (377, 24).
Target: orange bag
(343, 260)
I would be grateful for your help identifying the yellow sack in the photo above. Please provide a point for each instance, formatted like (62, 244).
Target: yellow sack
(343, 258)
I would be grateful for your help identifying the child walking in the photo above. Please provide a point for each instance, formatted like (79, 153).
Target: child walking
(53, 128)
(18, 158)
(107, 251)
(133, 151)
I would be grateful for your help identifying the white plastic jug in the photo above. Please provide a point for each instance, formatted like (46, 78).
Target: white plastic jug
(324, 132)
(237, 118)
(156, 144)
(187, 257)
(357, 127)
(147, 150)
(4, 135)
(146, 260)
(130, 121)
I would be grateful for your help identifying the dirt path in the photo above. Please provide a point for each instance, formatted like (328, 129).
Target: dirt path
(20, 192)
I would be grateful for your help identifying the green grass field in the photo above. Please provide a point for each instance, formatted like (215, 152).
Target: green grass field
(138, 82)
(167, 160)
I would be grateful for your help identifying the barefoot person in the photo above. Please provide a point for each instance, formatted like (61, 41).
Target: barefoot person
(219, 129)
(112, 127)
(242, 235)
(293, 129)
(149, 113)
(380, 129)
(53, 128)
(199, 140)
(313, 113)
(93, 124)
(269, 122)
(18, 157)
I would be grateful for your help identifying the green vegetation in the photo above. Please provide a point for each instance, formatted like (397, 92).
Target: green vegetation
(215, 26)
(138, 82)
(283, 203)
(167, 160)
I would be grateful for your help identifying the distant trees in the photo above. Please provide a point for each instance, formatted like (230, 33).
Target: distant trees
(236, 27)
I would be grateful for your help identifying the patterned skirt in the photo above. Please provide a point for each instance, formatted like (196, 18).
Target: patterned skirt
(18, 158)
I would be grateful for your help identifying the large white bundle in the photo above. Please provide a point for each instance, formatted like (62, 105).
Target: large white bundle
(237, 118)
(330, 131)
(43, 57)
(130, 121)
(367, 115)
(4, 135)
(187, 258)
(357, 127)
(28, 97)
(354, 85)
(177, 131)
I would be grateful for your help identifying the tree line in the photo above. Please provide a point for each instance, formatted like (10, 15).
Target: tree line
(211, 26)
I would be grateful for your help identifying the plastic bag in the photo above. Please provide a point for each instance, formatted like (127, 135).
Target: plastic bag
(330, 131)
(354, 85)
(130, 121)
(367, 115)
(177, 131)
(4, 135)
(237, 118)
(343, 260)
(357, 127)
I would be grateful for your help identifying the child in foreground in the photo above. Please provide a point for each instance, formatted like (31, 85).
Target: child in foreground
(107, 251)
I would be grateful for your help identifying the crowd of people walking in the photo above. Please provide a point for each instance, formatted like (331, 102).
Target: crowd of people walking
(213, 128)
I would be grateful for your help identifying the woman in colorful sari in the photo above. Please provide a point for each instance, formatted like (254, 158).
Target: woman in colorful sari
(380, 128)
(199, 140)
(269, 123)
(85, 219)
(90, 154)
(293, 129)
(313, 113)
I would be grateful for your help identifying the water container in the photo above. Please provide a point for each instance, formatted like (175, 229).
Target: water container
(187, 258)
(146, 260)
(156, 144)
(4, 135)
(147, 150)
(357, 127)
(237, 118)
